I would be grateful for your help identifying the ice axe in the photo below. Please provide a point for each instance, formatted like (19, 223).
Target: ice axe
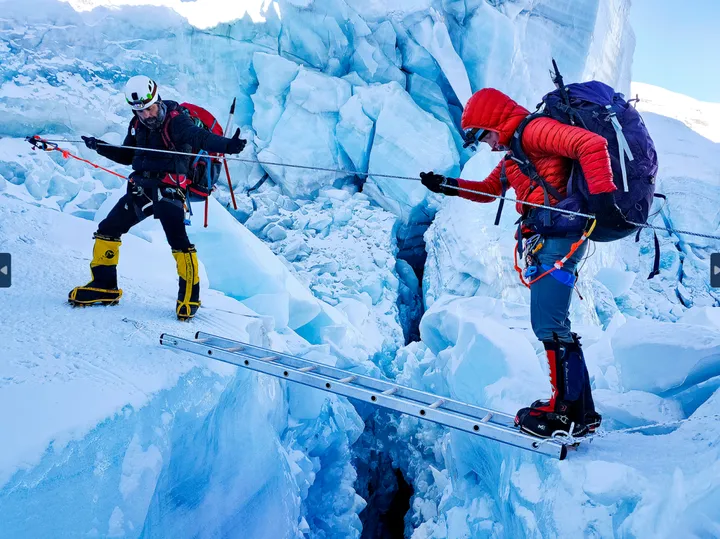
(557, 79)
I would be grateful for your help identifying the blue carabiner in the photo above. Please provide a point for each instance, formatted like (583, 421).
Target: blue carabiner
(531, 271)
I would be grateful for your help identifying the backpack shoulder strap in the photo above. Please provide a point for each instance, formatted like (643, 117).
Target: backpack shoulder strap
(505, 184)
(520, 158)
(165, 133)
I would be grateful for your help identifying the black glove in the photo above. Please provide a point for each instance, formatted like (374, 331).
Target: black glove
(438, 183)
(91, 142)
(607, 213)
(235, 144)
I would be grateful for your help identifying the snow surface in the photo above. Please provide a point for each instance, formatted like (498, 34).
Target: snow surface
(107, 427)
(701, 117)
(112, 435)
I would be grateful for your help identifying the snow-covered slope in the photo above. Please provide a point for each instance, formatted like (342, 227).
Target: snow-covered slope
(701, 117)
(106, 433)
(112, 435)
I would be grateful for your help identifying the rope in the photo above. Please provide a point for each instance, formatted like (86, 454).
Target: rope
(677, 422)
(395, 177)
(566, 438)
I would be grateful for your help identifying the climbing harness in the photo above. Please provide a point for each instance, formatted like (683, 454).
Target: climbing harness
(532, 246)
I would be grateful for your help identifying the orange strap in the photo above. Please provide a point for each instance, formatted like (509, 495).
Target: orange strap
(49, 146)
(559, 263)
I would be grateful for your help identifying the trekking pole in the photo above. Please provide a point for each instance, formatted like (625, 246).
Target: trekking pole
(227, 170)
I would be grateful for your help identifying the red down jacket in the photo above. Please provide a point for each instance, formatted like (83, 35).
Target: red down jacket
(549, 144)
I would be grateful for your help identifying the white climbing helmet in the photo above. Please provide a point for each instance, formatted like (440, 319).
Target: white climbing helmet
(141, 92)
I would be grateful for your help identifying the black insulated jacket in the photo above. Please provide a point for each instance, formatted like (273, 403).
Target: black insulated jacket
(183, 133)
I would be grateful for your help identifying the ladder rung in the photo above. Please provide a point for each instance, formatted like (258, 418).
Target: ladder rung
(437, 403)
(443, 410)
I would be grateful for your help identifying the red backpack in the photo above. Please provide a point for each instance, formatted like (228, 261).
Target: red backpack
(205, 168)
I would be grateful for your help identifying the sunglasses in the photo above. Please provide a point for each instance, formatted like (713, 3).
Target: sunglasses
(473, 137)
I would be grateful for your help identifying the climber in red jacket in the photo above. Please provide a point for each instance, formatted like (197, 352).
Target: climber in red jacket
(493, 118)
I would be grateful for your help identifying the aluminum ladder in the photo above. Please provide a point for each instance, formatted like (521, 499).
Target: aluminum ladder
(444, 411)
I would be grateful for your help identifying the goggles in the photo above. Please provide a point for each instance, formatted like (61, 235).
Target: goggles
(141, 102)
(473, 137)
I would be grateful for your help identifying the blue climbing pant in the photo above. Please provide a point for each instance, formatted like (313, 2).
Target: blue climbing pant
(550, 296)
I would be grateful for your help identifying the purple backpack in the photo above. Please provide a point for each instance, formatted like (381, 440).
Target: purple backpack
(598, 108)
(595, 106)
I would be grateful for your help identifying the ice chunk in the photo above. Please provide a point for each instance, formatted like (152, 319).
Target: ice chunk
(274, 232)
(433, 35)
(486, 42)
(304, 402)
(606, 482)
(691, 399)
(354, 133)
(617, 281)
(370, 58)
(660, 356)
(314, 37)
(428, 95)
(274, 73)
(416, 59)
(403, 132)
(636, 408)
(227, 250)
(485, 362)
(708, 317)
(320, 150)
(317, 93)
(276, 306)
(63, 187)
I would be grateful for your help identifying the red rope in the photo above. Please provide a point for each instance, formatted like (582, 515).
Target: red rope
(559, 263)
(48, 147)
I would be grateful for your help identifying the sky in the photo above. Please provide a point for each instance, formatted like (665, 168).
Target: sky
(678, 46)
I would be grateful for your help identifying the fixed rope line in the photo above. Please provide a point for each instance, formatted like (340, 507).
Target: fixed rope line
(395, 177)
(564, 437)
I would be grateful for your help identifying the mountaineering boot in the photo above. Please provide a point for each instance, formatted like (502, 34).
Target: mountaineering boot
(188, 300)
(566, 406)
(592, 419)
(102, 289)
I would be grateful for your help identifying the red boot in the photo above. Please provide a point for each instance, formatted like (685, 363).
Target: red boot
(566, 406)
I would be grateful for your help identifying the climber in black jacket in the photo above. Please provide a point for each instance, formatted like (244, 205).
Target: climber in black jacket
(157, 187)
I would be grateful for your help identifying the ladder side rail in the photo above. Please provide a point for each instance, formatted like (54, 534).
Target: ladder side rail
(392, 402)
(469, 410)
